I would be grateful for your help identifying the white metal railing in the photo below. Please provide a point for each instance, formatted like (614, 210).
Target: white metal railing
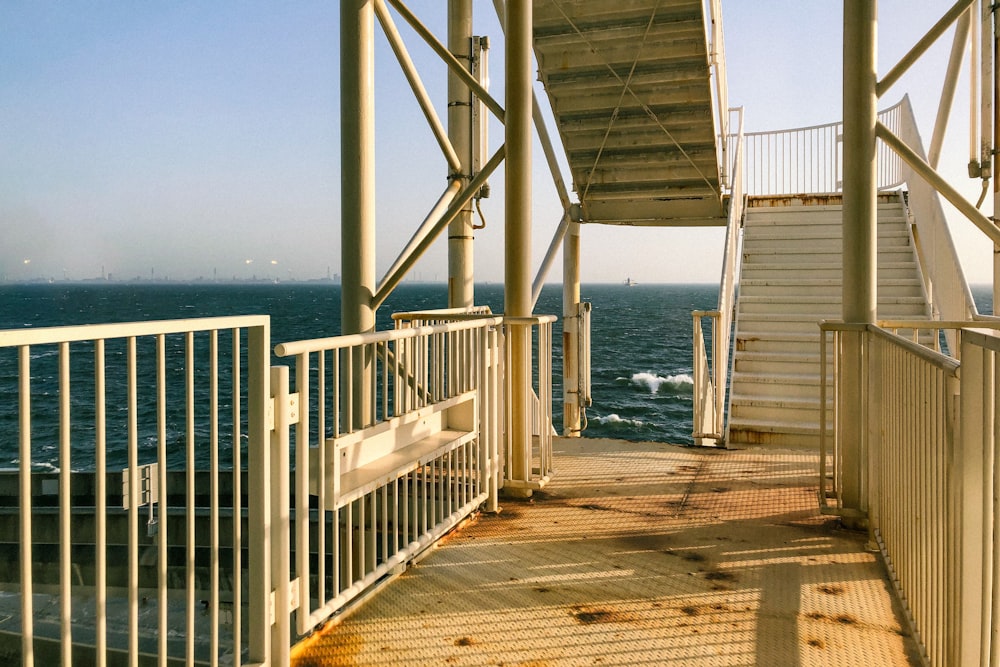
(944, 281)
(396, 440)
(927, 476)
(720, 91)
(540, 456)
(710, 381)
(539, 459)
(156, 401)
(809, 159)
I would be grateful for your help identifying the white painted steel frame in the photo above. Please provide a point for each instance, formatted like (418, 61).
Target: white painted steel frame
(357, 537)
(808, 160)
(931, 479)
(711, 381)
(146, 344)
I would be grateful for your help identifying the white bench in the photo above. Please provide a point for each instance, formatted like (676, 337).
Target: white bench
(366, 459)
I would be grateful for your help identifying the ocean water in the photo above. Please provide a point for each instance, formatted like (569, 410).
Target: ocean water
(641, 356)
(641, 351)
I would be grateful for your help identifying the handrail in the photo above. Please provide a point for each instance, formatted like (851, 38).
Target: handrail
(710, 386)
(808, 159)
(717, 60)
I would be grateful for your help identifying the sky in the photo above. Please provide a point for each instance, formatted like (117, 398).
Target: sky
(191, 139)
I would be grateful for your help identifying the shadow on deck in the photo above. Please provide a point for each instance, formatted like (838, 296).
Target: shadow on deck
(638, 554)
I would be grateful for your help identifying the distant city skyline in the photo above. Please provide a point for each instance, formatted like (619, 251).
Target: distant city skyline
(188, 138)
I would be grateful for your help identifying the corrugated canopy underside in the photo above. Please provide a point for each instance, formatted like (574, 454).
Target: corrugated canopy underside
(630, 88)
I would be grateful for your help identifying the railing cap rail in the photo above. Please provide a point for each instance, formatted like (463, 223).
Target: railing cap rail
(84, 332)
(352, 340)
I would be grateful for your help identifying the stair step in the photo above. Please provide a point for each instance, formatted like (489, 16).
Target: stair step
(803, 403)
(768, 426)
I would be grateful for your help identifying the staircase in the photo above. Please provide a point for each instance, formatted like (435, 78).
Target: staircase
(630, 87)
(790, 280)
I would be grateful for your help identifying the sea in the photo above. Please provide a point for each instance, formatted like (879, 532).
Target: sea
(641, 354)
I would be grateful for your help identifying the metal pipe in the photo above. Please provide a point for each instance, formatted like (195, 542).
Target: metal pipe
(550, 256)
(390, 282)
(910, 157)
(996, 182)
(357, 229)
(859, 235)
(921, 46)
(453, 64)
(432, 218)
(988, 75)
(572, 400)
(460, 247)
(948, 91)
(416, 85)
(974, 82)
(517, 230)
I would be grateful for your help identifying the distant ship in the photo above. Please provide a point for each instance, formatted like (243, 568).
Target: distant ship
(630, 283)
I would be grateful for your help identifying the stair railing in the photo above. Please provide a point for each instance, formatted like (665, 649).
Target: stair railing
(947, 291)
(710, 380)
(807, 160)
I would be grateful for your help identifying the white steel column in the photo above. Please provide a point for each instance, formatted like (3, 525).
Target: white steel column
(460, 247)
(859, 234)
(517, 230)
(571, 330)
(357, 227)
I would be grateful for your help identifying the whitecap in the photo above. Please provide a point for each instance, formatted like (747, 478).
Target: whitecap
(615, 419)
(678, 384)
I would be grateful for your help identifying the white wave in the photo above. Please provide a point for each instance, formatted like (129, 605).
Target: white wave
(615, 419)
(681, 383)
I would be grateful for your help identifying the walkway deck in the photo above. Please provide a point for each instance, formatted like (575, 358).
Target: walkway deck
(638, 554)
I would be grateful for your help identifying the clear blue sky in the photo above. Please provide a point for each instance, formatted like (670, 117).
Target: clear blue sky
(184, 138)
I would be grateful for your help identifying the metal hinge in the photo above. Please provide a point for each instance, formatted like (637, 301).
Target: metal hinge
(293, 411)
(293, 599)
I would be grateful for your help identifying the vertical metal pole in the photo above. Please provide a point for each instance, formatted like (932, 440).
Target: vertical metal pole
(460, 250)
(259, 494)
(859, 232)
(996, 172)
(571, 330)
(357, 228)
(517, 246)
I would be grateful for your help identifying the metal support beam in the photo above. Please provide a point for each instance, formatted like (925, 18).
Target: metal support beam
(859, 232)
(910, 157)
(460, 249)
(418, 248)
(571, 329)
(357, 228)
(517, 230)
(920, 47)
(416, 85)
(453, 64)
(948, 91)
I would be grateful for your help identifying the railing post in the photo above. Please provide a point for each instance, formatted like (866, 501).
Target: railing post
(259, 493)
(460, 250)
(517, 231)
(975, 430)
(859, 234)
(281, 639)
(572, 320)
(357, 118)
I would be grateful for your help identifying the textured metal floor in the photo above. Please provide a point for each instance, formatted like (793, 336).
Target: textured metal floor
(638, 554)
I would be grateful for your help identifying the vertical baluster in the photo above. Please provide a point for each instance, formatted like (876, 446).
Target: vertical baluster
(24, 486)
(213, 392)
(189, 512)
(65, 512)
(133, 508)
(100, 510)
(161, 540)
(237, 446)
